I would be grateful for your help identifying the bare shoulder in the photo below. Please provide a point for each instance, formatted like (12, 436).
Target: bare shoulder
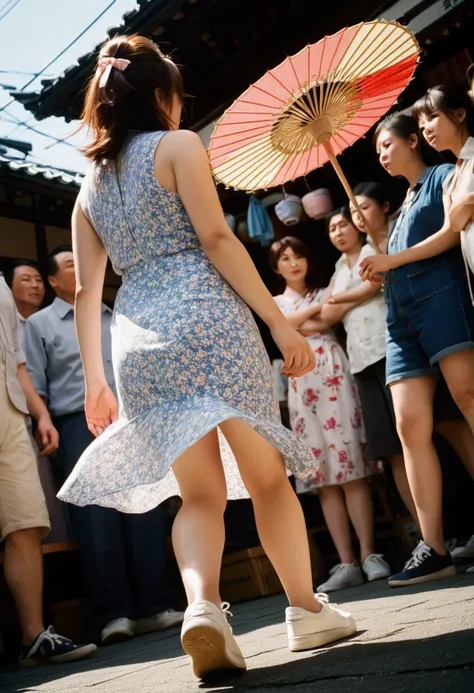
(182, 142)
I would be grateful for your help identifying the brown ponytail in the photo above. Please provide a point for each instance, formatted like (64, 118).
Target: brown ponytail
(128, 100)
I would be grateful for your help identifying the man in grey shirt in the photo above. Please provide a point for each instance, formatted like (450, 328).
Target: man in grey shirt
(23, 515)
(123, 556)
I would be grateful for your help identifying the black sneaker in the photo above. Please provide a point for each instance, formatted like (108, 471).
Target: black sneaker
(51, 647)
(424, 565)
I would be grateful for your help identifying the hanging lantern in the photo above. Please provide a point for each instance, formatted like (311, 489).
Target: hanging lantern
(290, 210)
(317, 203)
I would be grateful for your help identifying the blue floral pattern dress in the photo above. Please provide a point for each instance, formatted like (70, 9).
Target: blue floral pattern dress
(187, 353)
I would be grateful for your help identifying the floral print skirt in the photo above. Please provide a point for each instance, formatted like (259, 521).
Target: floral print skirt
(187, 356)
(325, 411)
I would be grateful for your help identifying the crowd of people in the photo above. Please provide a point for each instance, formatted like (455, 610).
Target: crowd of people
(123, 557)
(174, 392)
(409, 326)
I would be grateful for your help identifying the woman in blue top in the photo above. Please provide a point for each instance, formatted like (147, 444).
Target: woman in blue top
(430, 324)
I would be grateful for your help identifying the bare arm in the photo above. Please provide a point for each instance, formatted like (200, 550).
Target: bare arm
(360, 294)
(438, 243)
(35, 403)
(47, 434)
(190, 165)
(225, 251)
(298, 319)
(90, 262)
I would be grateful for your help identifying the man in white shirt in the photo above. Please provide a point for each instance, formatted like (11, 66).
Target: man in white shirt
(23, 515)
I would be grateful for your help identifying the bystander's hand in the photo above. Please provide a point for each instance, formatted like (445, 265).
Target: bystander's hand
(46, 435)
(372, 267)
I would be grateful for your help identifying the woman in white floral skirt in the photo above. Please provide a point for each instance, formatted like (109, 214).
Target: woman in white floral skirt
(325, 410)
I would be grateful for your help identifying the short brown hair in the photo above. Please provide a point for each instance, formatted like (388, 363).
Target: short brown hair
(313, 280)
(128, 100)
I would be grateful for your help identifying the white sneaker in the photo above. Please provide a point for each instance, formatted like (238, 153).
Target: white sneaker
(307, 630)
(461, 552)
(117, 631)
(207, 638)
(167, 619)
(376, 568)
(341, 576)
(470, 570)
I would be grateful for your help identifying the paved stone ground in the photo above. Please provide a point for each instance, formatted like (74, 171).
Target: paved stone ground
(418, 640)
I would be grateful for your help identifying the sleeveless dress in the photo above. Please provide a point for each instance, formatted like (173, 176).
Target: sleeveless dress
(186, 351)
(324, 407)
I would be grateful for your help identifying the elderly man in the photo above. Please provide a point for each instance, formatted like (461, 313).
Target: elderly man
(23, 515)
(123, 556)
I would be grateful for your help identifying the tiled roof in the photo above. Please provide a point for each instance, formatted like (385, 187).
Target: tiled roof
(55, 176)
(142, 19)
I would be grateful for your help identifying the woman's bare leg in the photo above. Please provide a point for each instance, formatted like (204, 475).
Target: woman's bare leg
(335, 513)
(361, 512)
(278, 514)
(397, 462)
(198, 530)
(413, 403)
(458, 371)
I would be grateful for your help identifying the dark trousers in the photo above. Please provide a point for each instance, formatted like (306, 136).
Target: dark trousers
(123, 556)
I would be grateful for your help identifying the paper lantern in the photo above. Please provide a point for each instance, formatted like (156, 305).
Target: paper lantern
(317, 203)
(290, 210)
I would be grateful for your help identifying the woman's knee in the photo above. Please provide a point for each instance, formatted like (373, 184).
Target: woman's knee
(214, 500)
(414, 425)
(463, 395)
(272, 479)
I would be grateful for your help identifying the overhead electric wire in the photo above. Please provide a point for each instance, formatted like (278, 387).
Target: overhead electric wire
(12, 7)
(57, 140)
(61, 53)
(24, 73)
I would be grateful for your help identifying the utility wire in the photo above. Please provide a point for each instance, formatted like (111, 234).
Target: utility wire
(12, 7)
(57, 140)
(59, 55)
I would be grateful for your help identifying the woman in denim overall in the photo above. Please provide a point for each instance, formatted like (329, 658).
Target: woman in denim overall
(446, 118)
(430, 325)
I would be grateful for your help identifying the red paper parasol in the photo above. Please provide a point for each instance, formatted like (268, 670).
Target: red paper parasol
(316, 103)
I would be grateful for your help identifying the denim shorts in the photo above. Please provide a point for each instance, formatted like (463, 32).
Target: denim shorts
(429, 316)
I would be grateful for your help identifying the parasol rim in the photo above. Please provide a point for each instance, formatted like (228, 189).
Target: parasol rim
(405, 53)
(385, 22)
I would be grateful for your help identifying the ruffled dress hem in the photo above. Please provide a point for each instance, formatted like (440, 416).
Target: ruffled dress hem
(99, 477)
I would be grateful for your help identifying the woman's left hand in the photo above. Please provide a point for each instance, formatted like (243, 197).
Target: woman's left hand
(374, 265)
(101, 409)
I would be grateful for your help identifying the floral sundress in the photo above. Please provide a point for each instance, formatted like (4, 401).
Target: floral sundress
(324, 406)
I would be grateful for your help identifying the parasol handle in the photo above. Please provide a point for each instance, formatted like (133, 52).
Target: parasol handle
(333, 159)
